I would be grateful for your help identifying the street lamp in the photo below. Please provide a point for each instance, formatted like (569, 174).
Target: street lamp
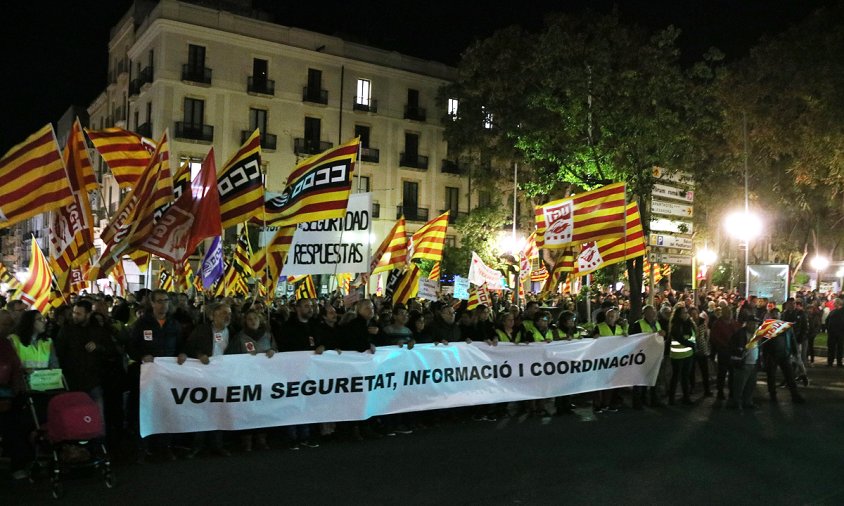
(744, 226)
(819, 263)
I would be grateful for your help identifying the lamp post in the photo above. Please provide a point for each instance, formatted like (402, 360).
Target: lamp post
(819, 263)
(706, 258)
(744, 226)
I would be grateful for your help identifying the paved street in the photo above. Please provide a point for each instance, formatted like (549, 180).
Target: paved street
(780, 454)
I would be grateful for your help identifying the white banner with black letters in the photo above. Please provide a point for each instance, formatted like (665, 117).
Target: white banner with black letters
(236, 392)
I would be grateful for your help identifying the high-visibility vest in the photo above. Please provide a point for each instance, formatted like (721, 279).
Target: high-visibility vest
(605, 330)
(504, 338)
(34, 356)
(647, 327)
(537, 337)
(679, 350)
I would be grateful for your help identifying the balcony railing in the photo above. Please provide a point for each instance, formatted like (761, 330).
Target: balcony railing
(260, 85)
(453, 216)
(452, 167)
(314, 95)
(414, 160)
(119, 114)
(145, 129)
(414, 113)
(134, 87)
(146, 76)
(376, 210)
(123, 66)
(268, 141)
(196, 74)
(371, 155)
(412, 213)
(194, 131)
(364, 104)
(310, 146)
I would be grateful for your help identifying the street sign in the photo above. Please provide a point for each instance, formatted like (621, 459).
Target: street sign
(670, 241)
(672, 192)
(657, 257)
(668, 225)
(671, 208)
(676, 176)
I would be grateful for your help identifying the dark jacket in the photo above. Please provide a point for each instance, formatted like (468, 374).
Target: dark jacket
(148, 337)
(82, 369)
(441, 331)
(298, 336)
(355, 336)
(835, 323)
(201, 341)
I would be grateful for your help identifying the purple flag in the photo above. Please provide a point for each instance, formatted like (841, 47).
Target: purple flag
(212, 264)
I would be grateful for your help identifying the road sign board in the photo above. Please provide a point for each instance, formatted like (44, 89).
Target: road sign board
(671, 208)
(670, 241)
(669, 258)
(676, 176)
(672, 192)
(669, 225)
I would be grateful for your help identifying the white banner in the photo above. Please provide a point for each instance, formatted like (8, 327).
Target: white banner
(236, 392)
(480, 273)
(333, 246)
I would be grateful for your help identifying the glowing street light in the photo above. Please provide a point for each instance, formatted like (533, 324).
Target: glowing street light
(745, 226)
(509, 243)
(820, 263)
(706, 256)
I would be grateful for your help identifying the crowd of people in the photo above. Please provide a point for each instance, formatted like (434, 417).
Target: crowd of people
(100, 342)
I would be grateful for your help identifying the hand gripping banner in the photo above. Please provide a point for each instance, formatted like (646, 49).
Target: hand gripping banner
(236, 392)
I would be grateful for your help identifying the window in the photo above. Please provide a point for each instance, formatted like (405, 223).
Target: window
(362, 132)
(410, 197)
(363, 185)
(450, 241)
(484, 198)
(412, 99)
(364, 92)
(259, 70)
(194, 113)
(452, 200)
(195, 164)
(312, 130)
(452, 108)
(258, 119)
(314, 80)
(149, 113)
(411, 145)
(196, 58)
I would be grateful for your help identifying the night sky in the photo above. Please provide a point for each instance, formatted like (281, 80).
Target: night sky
(55, 53)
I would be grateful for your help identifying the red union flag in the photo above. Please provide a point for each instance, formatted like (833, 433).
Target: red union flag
(589, 216)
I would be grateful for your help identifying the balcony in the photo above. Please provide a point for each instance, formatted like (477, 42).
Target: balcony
(145, 130)
(112, 77)
(260, 85)
(134, 87)
(310, 146)
(314, 95)
(119, 114)
(364, 104)
(194, 74)
(146, 76)
(453, 216)
(370, 155)
(376, 210)
(195, 132)
(452, 167)
(268, 141)
(413, 160)
(412, 213)
(123, 67)
(414, 113)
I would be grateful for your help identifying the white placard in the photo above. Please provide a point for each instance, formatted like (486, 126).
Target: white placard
(428, 289)
(671, 208)
(461, 288)
(333, 246)
(671, 192)
(480, 273)
(675, 226)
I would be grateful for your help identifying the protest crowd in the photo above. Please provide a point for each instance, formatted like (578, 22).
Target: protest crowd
(100, 342)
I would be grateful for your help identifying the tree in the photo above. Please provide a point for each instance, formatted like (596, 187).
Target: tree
(479, 231)
(585, 102)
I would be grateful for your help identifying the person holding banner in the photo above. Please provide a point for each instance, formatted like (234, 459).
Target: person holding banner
(361, 332)
(506, 331)
(649, 323)
(444, 328)
(253, 339)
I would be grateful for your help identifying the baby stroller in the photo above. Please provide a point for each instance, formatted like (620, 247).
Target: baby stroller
(72, 438)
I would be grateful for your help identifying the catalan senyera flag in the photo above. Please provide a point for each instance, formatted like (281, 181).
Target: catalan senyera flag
(8, 278)
(478, 295)
(165, 280)
(118, 275)
(597, 255)
(344, 281)
(769, 329)
(591, 216)
(305, 288)
(529, 252)
(563, 264)
(36, 291)
(408, 286)
(33, 178)
(231, 283)
(267, 262)
(71, 229)
(657, 270)
(317, 189)
(242, 254)
(666, 270)
(429, 240)
(392, 253)
(435, 272)
(133, 222)
(241, 184)
(540, 275)
(126, 153)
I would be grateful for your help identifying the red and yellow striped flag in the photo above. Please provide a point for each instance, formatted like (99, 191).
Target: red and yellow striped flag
(268, 262)
(408, 286)
(305, 288)
(429, 240)
(36, 291)
(9, 278)
(317, 189)
(563, 264)
(118, 275)
(76, 158)
(666, 270)
(528, 253)
(392, 253)
(126, 153)
(540, 275)
(435, 272)
(657, 268)
(231, 283)
(165, 280)
(477, 296)
(133, 222)
(242, 254)
(241, 184)
(595, 256)
(33, 179)
(591, 216)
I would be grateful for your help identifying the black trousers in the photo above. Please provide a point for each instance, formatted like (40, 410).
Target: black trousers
(723, 359)
(834, 349)
(771, 364)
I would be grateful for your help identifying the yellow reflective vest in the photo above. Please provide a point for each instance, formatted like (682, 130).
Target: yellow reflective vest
(680, 350)
(647, 327)
(34, 356)
(605, 330)
(504, 338)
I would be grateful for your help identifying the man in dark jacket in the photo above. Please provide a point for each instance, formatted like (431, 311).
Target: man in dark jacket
(835, 334)
(444, 329)
(361, 332)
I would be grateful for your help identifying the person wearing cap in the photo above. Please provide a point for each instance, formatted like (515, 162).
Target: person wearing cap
(743, 363)
(682, 335)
